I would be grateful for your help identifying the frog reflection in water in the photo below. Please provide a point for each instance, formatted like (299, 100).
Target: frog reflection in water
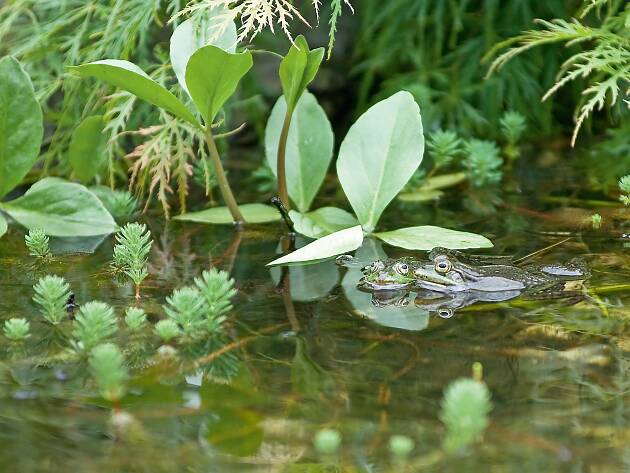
(451, 279)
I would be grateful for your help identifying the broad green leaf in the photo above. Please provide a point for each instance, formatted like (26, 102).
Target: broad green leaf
(298, 69)
(427, 237)
(3, 225)
(252, 213)
(309, 147)
(334, 244)
(402, 317)
(379, 154)
(62, 209)
(190, 36)
(322, 222)
(212, 76)
(21, 127)
(87, 148)
(129, 77)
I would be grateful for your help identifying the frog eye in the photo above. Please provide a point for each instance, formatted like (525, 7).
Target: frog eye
(445, 313)
(443, 266)
(402, 268)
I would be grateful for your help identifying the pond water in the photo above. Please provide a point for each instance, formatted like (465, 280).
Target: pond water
(316, 353)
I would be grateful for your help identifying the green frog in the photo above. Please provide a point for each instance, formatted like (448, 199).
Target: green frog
(453, 271)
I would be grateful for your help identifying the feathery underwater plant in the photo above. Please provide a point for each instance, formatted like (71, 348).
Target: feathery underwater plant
(187, 308)
(483, 163)
(122, 204)
(217, 288)
(95, 322)
(513, 125)
(444, 146)
(465, 407)
(51, 295)
(108, 369)
(135, 318)
(167, 330)
(131, 252)
(17, 329)
(37, 243)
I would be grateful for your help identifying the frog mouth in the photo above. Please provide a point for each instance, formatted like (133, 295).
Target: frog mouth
(383, 284)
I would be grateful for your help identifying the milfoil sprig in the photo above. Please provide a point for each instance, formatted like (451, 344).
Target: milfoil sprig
(132, 251)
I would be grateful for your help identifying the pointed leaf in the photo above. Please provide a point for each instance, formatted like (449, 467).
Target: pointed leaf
(61, 208)
(21, 127)
(379, 154)
(252, 213)
(129, 77)
(309, 147)
(298, 69)
(212, 76)
(428, 237)
(190, 36)
(331, 245)
(322, 222)
(87, 153)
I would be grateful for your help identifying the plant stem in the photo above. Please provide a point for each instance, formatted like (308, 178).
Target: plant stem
(137, 291)
(224, 186)
(281, 162)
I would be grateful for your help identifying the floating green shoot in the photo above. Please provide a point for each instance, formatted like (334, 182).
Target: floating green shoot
(596, 221)
(167, 330)
(217, 288)
(95, 322)
(37, 243)
(187, 308)
(445, 147)
(483, 163)
(132, 251)
(465, 407)
(108, 369)
(51, 295)
(17, 329)
(327, 441)
(135, 318)
(513, 126)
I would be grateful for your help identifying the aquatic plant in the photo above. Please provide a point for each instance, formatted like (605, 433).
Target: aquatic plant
(483, 163)
(17, 329)
(122, 204)
(445, 146)
(217, 288)
(605, 65)
(135, 318)
(201, 71)
(51, 295)
(513, 125)
(37, 243)
(327, 441)
(596, 221)
(256, 15)
(401, 446)
(297, 70)
(108, 369)
(95, 322)
(187, 307)
(464, 412)
(167, 330)
(21, 134)
(132, 251)
(624, 188)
